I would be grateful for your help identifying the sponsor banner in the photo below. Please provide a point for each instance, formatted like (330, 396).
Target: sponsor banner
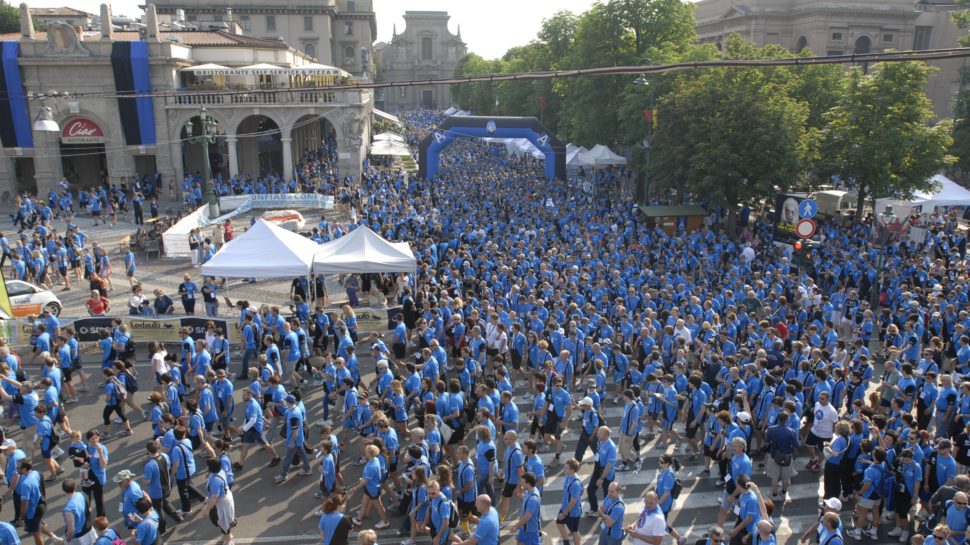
(82, 130)
(146, 329)
(292, 200)
(142, 329)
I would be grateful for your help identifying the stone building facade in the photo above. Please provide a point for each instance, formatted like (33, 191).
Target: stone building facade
(340, 33)
(425, 50)
(261, 127)
(842, 28)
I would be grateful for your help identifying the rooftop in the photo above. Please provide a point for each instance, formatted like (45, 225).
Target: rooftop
(195, 38)
(59, 12)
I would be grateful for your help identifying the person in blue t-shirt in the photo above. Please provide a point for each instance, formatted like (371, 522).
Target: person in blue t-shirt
(530, 518)
(439, 509)
(605, 469)
(146, 533)
(572, 502)
(370, 484)
(334, 526)
(487, 530)
(869, 497)
(514, 459)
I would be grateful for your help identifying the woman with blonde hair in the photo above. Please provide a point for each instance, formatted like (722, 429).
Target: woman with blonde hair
(370, 484)
(350, 319)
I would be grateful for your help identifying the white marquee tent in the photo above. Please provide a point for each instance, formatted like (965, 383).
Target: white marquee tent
(363, 251)
(949, 193)
(601, 155)
(389, 147)
(574, 157)
(264, 251)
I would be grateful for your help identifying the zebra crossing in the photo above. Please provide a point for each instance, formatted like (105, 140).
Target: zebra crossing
(694, 511)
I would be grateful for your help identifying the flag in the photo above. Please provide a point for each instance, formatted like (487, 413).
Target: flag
(4, 298)
(542, 103)
(648, 116)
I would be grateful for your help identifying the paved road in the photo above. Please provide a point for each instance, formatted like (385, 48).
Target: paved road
(282, 513)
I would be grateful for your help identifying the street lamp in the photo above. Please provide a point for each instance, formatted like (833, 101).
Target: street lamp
(643, 81)
(209, 135)
(882, 222)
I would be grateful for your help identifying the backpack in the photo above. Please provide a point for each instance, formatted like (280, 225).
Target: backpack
(676, 489)
(453, 518)
(886, 486)
(131, 381)
(120, 391)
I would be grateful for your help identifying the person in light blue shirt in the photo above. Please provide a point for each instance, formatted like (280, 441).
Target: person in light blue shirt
(131, 492)
(77, 524)
(572, 502)
(749, 512)
(439, 509)
(487, 530)
(514, 459)
(530, 518)
(605, 470)
(611, 517)
(533, 463)
(146, 533)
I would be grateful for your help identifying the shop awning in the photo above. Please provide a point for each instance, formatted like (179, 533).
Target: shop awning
(387, 116)
(389, 136)
(389, 147)
(263, 69)
(315, 69)
(209, 69)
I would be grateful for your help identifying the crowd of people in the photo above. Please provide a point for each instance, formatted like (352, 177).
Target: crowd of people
(535, 310)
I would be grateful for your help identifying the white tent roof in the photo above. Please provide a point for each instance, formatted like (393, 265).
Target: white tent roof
(389, 147)
(389, 136)
(264, 251)
(387, 116)
(950, 193)
(363, 251)
(316, 69)
(574, 158)
(451, 110)
(602, 155)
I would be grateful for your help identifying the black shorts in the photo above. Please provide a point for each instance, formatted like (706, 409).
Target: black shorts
(710, 452)
(67, 374)
(466, 508)
(458, 436)
(815, 441)
(32, 525)
(400, 351)
(253, 437)
(508, 490)
(552, 425)
(516, 360)
(392, 467)
(323, 489)
(571, 523)
(904, 502)
(375, 496)
(692, 430)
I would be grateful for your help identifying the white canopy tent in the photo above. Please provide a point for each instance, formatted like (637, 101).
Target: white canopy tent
(574, 158)
(389, 136)
(264, 251)
(389, 147)
(949, 193)
(451, 111)
(387, 116)
(262, 69)
(209, 69)
(601, 155)
(363, 251)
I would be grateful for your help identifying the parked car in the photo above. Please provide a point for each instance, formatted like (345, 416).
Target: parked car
(26, 298)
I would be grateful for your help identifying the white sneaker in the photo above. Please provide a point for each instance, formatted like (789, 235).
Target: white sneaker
(873, 533)
(904, 537)
(855, 533)
(895, 531)
(306, 472)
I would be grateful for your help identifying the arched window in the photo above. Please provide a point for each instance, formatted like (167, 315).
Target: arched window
(801, 44)
(863, 45)
(349, 52)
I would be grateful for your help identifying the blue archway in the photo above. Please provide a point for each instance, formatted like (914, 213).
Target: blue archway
(492, 127)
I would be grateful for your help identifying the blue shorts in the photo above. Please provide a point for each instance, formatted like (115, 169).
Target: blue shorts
(528, 538)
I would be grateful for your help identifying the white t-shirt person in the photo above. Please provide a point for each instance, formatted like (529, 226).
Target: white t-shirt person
(825, 418)
(650, 524)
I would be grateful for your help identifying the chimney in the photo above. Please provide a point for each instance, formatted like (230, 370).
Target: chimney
(26, 23)
(107, 28)
(151, 23)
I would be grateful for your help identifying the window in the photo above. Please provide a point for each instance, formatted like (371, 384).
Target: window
(190, 18)
(404, 92)
(863, 45)
(308, 23)
(271, 23)
(801, 44)
(351, 5)
(887, 37)
(348, 28)
(349, 53)
(922, 38)
(836, 36)
(310, 50)
(426, 49)
(244, 22)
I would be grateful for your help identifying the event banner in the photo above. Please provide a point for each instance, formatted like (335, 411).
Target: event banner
(142, 329)
(277, 200)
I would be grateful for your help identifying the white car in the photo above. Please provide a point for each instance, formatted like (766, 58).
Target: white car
(26, 298)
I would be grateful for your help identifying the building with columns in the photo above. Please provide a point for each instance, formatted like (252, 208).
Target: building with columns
(843, 28)
(125, 102)
(425, 50)
(336, 32)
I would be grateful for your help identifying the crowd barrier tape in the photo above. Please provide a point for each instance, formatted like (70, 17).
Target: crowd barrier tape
(142, 328)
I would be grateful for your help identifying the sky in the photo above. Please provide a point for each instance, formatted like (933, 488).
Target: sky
(489, 28)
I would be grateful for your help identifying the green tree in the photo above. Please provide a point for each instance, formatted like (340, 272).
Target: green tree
(878, 137)
(9, 18)
(961, 133)
(479, 98)
(730, 135)
(962, 20)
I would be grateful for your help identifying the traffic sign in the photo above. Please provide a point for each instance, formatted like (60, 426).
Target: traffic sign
(805, 228)
(807, 209)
